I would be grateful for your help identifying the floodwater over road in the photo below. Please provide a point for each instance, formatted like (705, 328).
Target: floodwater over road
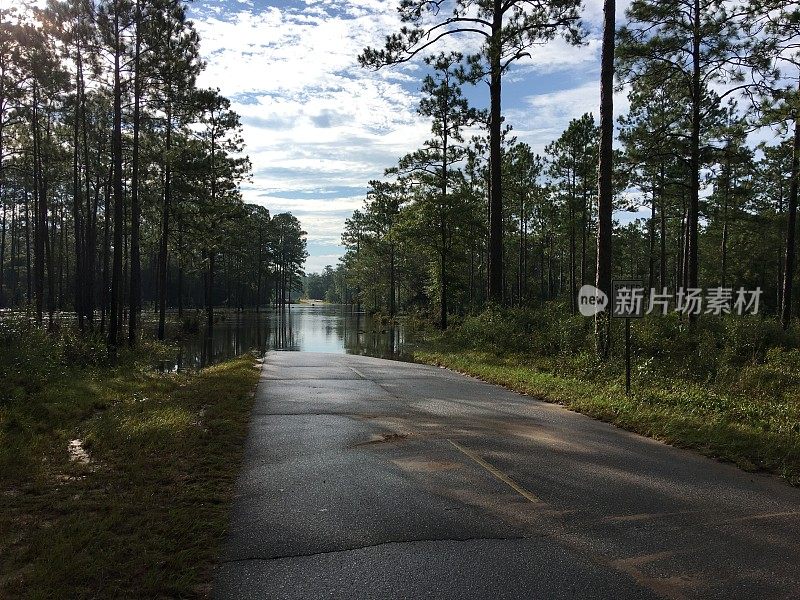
(332, 328)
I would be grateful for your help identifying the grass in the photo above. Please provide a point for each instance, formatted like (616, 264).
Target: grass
(115, 481)
(737, 406)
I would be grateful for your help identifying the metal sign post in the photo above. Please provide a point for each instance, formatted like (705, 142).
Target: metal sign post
(627, 301)
(627, 356)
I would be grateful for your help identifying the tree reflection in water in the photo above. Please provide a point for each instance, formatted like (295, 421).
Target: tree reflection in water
(300, 327)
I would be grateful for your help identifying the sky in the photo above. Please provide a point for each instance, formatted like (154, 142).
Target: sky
(318, 127)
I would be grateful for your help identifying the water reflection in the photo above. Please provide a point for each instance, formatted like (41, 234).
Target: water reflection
(303, 328)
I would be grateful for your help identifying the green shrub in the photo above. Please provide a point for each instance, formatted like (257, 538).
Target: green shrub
(747, 356)
(31, 356)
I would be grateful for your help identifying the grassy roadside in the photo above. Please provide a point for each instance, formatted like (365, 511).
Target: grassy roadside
(116, 481)
(758, 433)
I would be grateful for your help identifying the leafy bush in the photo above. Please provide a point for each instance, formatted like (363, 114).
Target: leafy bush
(31, 356)
(28, 357)
(744, 355)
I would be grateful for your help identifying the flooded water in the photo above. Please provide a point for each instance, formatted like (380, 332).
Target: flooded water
(300, 328)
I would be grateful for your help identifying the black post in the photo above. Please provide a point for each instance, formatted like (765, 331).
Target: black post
(627, 356)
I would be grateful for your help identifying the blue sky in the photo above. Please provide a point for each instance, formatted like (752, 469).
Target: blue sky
(318, 127)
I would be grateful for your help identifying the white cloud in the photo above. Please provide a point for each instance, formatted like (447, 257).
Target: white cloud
(316, 263)
(593, 11)
(316, 205)
(543, 117)
(318, 127)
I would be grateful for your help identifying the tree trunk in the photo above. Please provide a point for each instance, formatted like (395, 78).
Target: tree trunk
(724, 248)
(14, 252)
(443, 307)
(443, 224)
(40, 209)
(791, 232)
(651, 250)
(90, 223)
(76, 203)
(162, 258)
(663, 233)
(259, 268)
(28, 270)
(521, 249)
(572, 259)
(48, 231)
(392, 307)
(116, 143)
(2, 199)
(495, 279)
(605, 189)
(135, 293)
(692, 222)
(3, 239)
(584, 235)
(49, 243)
(63, 258)
(685, 244)
(104, 303)
(210, 295)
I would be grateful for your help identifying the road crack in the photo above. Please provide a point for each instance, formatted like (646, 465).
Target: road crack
(381, 544)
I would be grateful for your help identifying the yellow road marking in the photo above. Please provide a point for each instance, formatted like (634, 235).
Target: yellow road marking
(497, 474)
(356, 371)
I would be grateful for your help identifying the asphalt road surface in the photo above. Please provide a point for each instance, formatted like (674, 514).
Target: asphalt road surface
(368, 478)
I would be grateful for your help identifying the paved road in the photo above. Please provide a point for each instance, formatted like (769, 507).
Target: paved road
(366, 478)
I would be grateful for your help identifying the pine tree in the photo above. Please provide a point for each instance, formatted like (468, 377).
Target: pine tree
(443, 102)
(691, 52)
(507, 29)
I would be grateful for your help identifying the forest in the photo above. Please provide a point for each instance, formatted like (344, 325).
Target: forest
(700, 177)
(126, 241)
(120, 177)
